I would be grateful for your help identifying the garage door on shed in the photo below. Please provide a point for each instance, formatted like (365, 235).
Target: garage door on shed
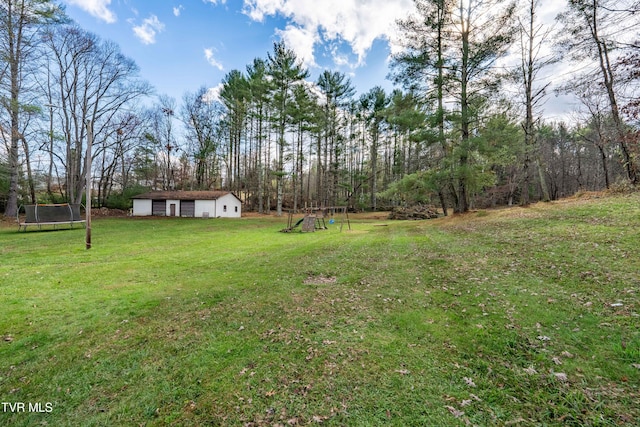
(158, 208)
(188, 208)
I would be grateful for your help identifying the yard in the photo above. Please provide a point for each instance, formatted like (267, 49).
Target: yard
(508, 317)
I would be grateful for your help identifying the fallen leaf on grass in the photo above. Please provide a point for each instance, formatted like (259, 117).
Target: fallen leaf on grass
(455, 412)
(530, 370)
(557, 360)
(561, 376)
(320, 280)
(403, 371)
(469, 382)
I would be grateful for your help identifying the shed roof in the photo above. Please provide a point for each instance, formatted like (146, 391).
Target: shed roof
(184, 195)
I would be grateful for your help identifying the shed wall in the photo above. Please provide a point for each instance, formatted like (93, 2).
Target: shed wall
(196, 208)
(141, 207)
(232, 204)
(208, 206)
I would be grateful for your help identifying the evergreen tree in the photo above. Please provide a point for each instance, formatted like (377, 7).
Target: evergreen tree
(235, 96)
(373, 104)
(455, 45)
(286, 71)
(259, 87)
(338, 91)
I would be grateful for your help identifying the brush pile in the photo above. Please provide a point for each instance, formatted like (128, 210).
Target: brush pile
(413, 213)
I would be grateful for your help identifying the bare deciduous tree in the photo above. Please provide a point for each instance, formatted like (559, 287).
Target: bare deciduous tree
(94, 83)
(20, 24)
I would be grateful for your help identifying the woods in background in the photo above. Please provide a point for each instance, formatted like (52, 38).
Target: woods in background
(464, 129)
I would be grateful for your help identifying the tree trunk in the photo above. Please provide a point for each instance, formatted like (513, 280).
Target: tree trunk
(543, 182)
(14, 167)
(608, 76)
(463, 197)
(605, 169)
(30, 182)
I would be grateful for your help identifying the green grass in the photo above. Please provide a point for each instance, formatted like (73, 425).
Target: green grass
(509, 317)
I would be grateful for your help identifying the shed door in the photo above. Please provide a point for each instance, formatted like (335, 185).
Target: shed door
(188, 208)
(158, 208)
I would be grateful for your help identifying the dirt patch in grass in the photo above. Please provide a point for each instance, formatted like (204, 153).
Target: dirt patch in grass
(320, 280)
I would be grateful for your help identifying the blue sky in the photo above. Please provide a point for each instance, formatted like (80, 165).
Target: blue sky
(183, 45)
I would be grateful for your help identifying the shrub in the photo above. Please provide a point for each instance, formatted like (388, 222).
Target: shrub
(622, 187)
(122, 200)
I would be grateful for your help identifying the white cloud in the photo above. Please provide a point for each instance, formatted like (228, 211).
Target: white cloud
(258, 9)
(358, 23)
(97, 8)
(178, 10)
(213, 94)
(208, 54)
(301, 41)
(148, 30)
(215, 2)
(339, 58)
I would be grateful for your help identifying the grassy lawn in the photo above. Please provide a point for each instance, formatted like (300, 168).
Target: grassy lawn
(509, 317)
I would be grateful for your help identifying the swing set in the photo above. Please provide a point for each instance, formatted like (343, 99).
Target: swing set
(314, 219)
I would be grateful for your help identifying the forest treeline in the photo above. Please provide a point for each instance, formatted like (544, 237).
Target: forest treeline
(463, 129)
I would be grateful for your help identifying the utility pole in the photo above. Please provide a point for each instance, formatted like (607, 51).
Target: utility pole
(88, 182)
(87, 166)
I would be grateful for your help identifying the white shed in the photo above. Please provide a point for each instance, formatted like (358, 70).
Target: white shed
(191, 204)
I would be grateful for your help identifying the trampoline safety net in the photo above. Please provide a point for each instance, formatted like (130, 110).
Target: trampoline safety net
(52, 214)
